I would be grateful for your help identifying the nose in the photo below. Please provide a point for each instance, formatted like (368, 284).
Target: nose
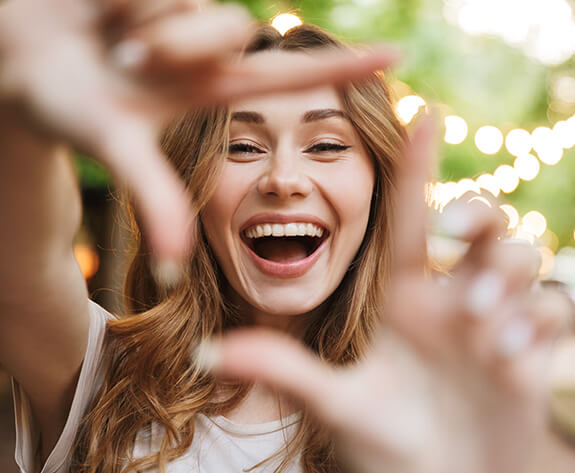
(284, 178)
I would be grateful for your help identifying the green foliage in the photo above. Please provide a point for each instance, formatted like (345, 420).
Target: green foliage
(92, 174)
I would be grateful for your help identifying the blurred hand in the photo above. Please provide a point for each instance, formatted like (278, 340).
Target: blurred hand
(104, 75)
(455, 378)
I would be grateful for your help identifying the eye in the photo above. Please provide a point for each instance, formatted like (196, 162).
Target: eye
(243, 148)
(327, 147)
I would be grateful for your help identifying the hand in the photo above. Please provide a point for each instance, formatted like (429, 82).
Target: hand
(455, 378)
(105, 75)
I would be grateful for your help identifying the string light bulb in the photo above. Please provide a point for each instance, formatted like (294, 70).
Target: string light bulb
(488, 139)
(285, 22)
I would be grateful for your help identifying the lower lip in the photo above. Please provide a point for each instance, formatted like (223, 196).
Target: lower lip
(293, 269)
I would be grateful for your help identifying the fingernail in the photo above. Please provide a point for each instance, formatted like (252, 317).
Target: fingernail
(167, 273)
(129, 54)
(455, 221)
(207, 355)
(515, 337)
(484, 294)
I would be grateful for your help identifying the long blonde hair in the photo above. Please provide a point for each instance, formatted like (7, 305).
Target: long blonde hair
(151, 376)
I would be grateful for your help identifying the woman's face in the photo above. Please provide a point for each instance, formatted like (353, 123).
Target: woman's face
(292, 203)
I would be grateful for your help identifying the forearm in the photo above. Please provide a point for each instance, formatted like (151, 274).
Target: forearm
(39, 205)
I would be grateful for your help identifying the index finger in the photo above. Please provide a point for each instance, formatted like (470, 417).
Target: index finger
(268, 73)
(410, 209)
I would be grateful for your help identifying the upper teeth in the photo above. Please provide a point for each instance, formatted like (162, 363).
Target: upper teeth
(281, 230)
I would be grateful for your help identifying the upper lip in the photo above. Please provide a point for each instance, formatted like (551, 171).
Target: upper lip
(283, 218)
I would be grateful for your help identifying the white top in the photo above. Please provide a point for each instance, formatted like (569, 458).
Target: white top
(219, 446)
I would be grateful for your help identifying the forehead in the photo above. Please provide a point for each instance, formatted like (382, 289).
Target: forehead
(286, 103)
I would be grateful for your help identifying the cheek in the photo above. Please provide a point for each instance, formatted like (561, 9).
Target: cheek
(218, 213)
(351, 193)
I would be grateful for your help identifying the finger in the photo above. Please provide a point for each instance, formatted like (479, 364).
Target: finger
(473, 220)
(134, 13)
(410, 210)
(187, 39)
(130, 150)
(421, 311)
(275, 360)
(268, 72)
(503, 269)
(521, 323)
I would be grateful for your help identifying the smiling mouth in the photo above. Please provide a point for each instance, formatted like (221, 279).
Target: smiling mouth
(284, 243)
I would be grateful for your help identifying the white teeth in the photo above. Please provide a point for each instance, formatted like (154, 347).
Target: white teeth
(288, 230)
(291, 229)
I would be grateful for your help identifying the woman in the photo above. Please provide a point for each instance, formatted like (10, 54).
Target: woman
(295, 195)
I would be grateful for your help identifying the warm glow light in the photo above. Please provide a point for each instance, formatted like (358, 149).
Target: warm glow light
(521, 233)
(518, 142)
(547, 145)
(466, 185)
(455, 129)
(488, 139)
(285, 22)
(527, 167)
(534, 222)
(488, 182)
(512, 215)
(564, 133)
(408, 107)
(547, 261)
(550, 240)
(551, 155)
(542, 137)
(442, 193)
(507, 178)
(543, 29)
(87, 258)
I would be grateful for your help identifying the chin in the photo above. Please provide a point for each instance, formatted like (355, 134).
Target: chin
(286, 303)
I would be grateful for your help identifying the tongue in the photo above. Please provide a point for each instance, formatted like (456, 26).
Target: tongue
(284, 250)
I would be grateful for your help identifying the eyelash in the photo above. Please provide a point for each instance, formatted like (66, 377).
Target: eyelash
(244, 148)
(323, 147)
(327, 147)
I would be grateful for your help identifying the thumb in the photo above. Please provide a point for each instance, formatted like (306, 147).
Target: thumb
(275, 360)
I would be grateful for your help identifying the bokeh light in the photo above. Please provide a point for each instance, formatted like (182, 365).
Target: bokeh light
(527, 167)
(507, 178)
(488, 182)
(512, 215)
(408, 107)
(87, 258)
(547, 261)
(285, 22)
(542, 29)
(466, 185)
(551, 155)
(564, 133)
(488, 139)
(550, 240)
(534, 222)
(455, 129)
(518, 142)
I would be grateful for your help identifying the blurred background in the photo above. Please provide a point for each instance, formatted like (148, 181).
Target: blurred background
(500, 74)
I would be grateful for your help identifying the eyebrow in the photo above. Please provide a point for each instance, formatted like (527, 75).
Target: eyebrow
(322, 114)
(248, 117)
(308, 117)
